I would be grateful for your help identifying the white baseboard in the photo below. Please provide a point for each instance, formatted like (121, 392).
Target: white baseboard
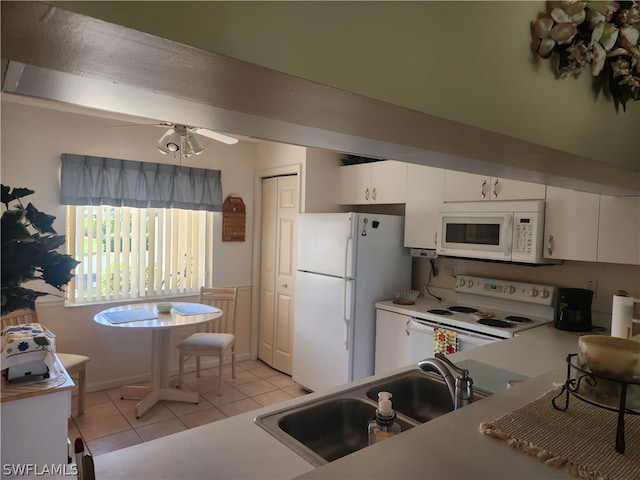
(207, 362)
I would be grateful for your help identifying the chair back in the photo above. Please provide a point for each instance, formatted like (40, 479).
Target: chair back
(18, 317)
(223, 298)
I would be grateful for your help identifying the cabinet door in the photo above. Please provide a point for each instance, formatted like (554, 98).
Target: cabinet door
(388, 182)
(619, 230)
(466, 187)
(393, 344)
(425, 190)
(469, 187)
(355, 184)
(503, 189)
(571, 225)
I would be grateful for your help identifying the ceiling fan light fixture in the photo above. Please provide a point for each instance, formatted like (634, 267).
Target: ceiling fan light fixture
(192, 145)
(169, 142)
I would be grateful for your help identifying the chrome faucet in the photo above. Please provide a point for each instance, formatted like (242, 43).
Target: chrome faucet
(461, 388)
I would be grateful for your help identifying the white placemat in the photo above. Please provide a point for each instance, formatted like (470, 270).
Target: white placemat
(134, 315)
(194, 309)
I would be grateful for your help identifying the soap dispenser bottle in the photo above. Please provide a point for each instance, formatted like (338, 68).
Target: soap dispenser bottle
(384, 425)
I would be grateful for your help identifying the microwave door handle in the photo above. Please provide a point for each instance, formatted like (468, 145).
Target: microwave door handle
(509, 236)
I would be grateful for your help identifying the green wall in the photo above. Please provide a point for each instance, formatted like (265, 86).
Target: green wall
(466, 61)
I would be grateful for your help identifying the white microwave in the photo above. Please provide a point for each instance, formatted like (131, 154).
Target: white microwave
(502, 231)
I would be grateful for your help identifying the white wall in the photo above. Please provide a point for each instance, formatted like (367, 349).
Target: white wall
(33, 139)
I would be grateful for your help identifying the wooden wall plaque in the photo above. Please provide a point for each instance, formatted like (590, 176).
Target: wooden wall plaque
(234, 216)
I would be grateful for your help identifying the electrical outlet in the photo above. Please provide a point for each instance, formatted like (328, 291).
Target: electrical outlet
(592, 285)
(450, 268)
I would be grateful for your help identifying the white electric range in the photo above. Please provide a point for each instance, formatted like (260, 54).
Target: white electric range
(508, 307)
(484, 310)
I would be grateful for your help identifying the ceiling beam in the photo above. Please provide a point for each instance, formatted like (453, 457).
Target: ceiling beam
(127, 71)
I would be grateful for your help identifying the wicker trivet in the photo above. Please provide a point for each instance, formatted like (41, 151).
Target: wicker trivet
(581, 439)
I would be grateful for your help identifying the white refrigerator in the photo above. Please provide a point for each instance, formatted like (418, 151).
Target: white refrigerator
(346, 262)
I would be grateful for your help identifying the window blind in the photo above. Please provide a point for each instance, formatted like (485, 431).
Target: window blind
(129, 253)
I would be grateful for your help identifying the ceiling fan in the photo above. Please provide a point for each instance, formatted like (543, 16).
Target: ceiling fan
(183, 139)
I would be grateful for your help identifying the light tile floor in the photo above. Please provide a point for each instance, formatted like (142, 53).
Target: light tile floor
(109, 422)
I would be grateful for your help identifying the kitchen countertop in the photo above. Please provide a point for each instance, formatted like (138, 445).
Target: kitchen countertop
(449, 447)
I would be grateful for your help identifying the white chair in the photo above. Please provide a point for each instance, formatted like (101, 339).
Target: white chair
(75, 365)
(218, 340)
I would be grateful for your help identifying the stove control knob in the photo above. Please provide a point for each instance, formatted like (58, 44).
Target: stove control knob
(533, 292)
(469, 283)
(461, 282)
(511, 289)
(545, 293)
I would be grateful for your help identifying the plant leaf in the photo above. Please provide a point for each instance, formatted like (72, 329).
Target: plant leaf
(8, 196)
(15, 298)
(56, 269)
(41, 221)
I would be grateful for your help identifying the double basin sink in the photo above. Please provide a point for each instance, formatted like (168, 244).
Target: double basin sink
(331, 427)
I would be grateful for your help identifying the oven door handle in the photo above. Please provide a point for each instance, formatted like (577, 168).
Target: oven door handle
(427, 326)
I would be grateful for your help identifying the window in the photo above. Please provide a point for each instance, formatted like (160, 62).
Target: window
(133, 253)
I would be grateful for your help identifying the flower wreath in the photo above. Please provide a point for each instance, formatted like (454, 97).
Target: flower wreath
(604, 34)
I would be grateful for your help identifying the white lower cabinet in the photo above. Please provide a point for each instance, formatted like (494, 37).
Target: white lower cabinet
(571, 225)
(393, 345)
(34, 433)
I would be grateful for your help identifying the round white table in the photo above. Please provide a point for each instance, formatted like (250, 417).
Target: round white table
(146, 315)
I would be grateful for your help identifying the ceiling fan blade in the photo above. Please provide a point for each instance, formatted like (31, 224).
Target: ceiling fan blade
(216, 136)
(140, 125)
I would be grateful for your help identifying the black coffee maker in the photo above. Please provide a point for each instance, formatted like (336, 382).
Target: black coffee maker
(574, 310)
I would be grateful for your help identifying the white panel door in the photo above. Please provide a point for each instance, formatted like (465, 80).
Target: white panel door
(285, 273)
(278, 271)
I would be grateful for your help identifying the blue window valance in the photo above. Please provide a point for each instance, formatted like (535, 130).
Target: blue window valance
(87, 180)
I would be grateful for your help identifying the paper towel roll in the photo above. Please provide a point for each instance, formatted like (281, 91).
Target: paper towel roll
(622, 316)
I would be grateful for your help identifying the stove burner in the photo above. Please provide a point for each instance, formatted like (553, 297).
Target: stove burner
(516, 318)
(460, 309)
(494, 322)
(439, 311)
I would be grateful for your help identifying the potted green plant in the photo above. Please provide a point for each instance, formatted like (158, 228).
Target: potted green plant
(29, 252)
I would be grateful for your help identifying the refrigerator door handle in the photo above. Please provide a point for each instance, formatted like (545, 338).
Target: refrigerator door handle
(348, 258)
(348, 293)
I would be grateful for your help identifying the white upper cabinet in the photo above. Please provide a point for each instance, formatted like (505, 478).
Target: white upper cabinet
(469, 187)
(571, 225)
(375, 182)
(619, 230)
(425, 189)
